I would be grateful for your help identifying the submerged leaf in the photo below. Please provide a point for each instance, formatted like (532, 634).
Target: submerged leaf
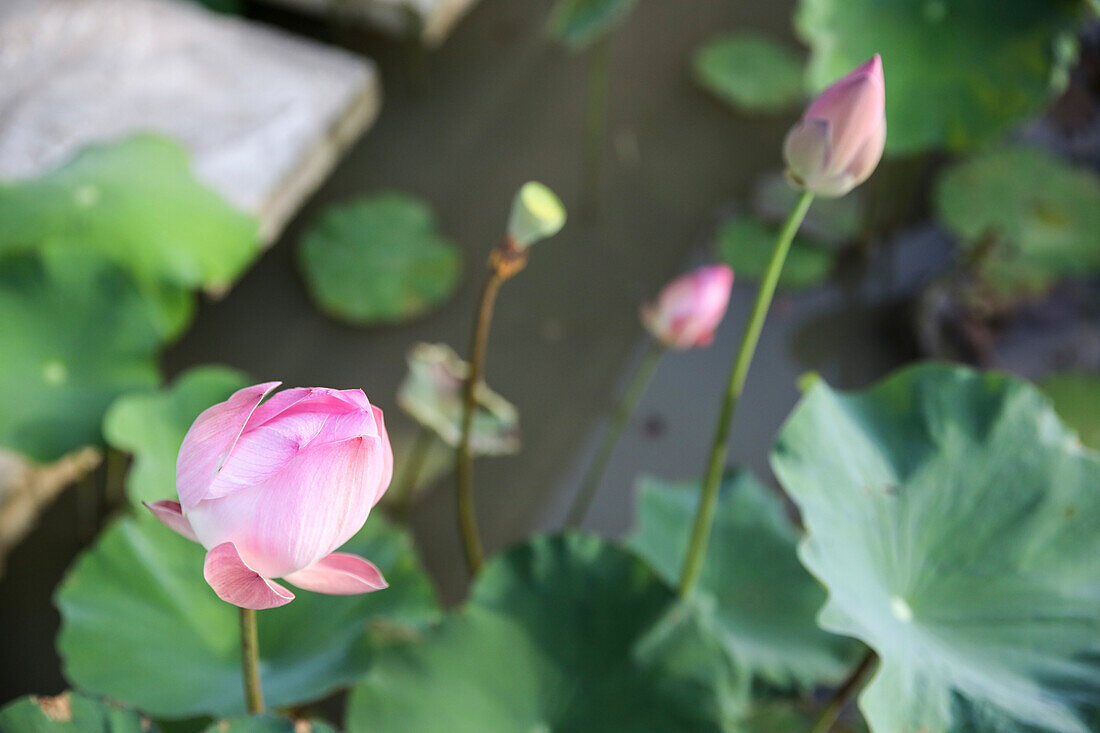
(750, 71)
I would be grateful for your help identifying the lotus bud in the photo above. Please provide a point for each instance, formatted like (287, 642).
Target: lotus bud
(840, 139)
(537, 214)
(689, 309)
(271, 489)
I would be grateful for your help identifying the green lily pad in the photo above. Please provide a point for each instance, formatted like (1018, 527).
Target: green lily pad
(1043, 213)
(953, 519)
(379, 259)
(833, 223)
(432, 395)
(545, 643)
(578, 23)
(958, 72)
(140, 624)
(151, 426)
(137, 202)
(746, 243)
(75, 333)
(761, 601)
(1076, 397)
(70, 712)
(750, 71)
(269, 724)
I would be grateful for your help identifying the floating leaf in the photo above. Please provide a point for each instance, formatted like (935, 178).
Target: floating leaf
(545, 643)
(957, 72)
(762, 601)
(954, 519)
(141, 625)
(1076, 397)
(269, 724)
(746, 244)
(75, 333)
(1042, 213)
(833, 222)
(151, 426)
(137, 202)
(432, 395)
(70, 712)
(379, 259)
(750, 71)
(578, 23)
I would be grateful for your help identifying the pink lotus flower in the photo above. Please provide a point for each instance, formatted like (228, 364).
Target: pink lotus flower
(271, 489)
(839, 141)
(690, 308)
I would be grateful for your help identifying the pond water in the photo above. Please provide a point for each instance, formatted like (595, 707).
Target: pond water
(463, 127)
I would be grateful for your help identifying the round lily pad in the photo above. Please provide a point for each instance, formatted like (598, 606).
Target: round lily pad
(958, 72)
(70, 712)
(762, 602)
(139, 624)
(577, 23)
(1076, 397)
(953, 520)
(151, 425)
(746, 244)
(1042, 213)
(75, 333)
(750, 71)
(379, 259)
(137, 202)
(545, 643)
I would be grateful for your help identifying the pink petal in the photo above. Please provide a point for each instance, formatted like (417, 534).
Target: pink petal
(300, 513)
(171, 513)
(339, 574)
(236, 583)
(211, 439)
(387, 455)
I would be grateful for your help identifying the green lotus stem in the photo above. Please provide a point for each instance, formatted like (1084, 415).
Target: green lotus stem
(843, 694)
(250, 662)
(619, 420)
(704, 516)
(411, 471)
(595, 119)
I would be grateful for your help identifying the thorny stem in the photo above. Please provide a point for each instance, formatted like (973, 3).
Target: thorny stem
(621, 416)
(504, 262)
(704, 516)
(250, 662)
(843, 694)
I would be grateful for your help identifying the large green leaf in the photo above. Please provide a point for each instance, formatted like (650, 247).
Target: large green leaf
(954, 520)
(379, 259)
(1042, 213)
(74, 334)
(70, 712)
(151, 425)
(1076, 397)
(577, 23)
(958, 72)
(141, 625)
(746, 244)
(137, 202)
(269, 724)
(545, 643)
(750, 71)
(763, 602)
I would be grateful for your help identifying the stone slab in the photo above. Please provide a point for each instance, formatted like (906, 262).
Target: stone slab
(265, 114)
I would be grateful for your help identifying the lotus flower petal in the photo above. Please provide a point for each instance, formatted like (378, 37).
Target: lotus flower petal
(339, 574)
(236, 583)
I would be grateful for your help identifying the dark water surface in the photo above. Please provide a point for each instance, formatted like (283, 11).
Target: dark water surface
(496, 106)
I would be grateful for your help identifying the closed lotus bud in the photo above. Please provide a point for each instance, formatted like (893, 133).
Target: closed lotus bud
(839, 141)
(271, 488)
(689, 309)
(537, 214)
